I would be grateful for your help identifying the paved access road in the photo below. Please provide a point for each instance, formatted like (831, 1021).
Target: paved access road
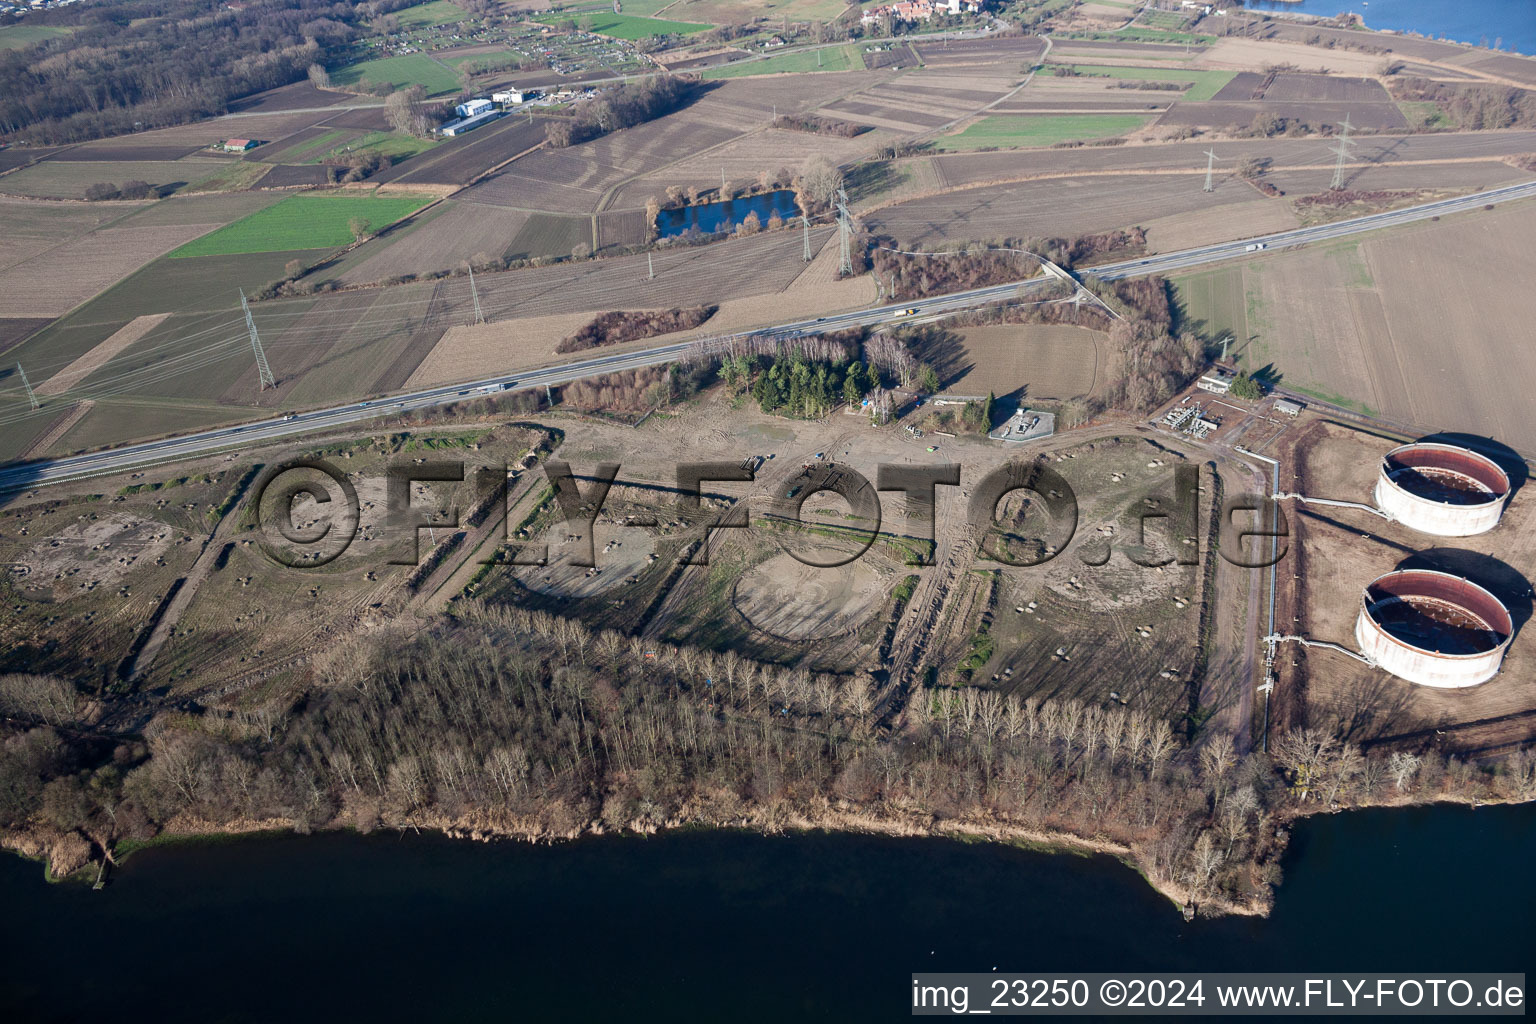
(35, 474)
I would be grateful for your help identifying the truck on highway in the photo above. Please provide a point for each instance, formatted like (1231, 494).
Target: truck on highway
(908, 312)
(1255, 247)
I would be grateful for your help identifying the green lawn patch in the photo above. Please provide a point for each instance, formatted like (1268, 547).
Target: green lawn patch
(1422, 114)
(1027, 130)
(841, 58)
(1163, 20)
(1140, 35)
(302, 222)
(1204, 84)
(393, 145)
(15, 37)
(438, 12)
(321, 143)
(625, 26)
(411, 69)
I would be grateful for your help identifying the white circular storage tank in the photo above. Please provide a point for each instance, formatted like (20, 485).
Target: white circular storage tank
(1442, 489)
(1433, 628)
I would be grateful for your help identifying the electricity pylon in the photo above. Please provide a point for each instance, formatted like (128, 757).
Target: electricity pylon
(806, 222)
(1342, 151)
(475, 294)
(1210, 167)
(844, 234)
(31, 397)
(263, 371)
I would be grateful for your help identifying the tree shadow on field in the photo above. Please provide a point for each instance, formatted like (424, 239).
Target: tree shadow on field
(867, 180)
(1509, 460)
(1504, 581)
(945, 351)
(1371, 705)
(1268, 376)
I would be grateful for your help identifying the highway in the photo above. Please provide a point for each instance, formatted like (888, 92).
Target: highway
(23, 476)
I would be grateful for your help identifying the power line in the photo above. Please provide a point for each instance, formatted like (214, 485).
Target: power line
(475, 294)
(262, 369)
(844, 234)
(806, 221)
(1342, 151)
(1210, 167)
(31, 397)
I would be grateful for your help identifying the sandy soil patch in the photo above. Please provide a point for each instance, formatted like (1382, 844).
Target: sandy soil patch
(99, 354)
(95, 551)
(786, 598)
(621, 555)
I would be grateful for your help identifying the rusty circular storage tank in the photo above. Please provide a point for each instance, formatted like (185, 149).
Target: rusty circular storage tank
(1433, 628)
(1442, 489)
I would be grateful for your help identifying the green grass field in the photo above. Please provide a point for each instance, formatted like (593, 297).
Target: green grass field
(393, 145)
(438, 12)
(301, 222)
(1215, 303)
(14, 37)
(1205, 83)
(624, 26)
(411, 69)
(842, 58)
(1023, 130)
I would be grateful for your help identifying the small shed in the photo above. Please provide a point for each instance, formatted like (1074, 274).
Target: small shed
(1288, 407)
(239, 145)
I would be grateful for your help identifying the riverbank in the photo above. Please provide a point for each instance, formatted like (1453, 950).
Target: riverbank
(830, 820)
(700, 925)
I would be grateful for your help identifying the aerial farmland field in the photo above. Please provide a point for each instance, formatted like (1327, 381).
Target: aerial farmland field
(841, 58)
(410, 69)
(1024, 131)
(69, 179)
(437, 12)
(1384, 325)
(15, 37)
(318, 221)
(1205, 83)
(624, 26)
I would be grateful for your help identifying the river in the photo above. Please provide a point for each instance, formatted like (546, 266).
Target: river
(718, 925)
(1510, 23)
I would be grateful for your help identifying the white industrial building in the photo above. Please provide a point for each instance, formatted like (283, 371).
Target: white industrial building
(510, 96)
(1442, 489)
(1433, 628)
(473, 108)
(458, 126)
(1217, 382)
